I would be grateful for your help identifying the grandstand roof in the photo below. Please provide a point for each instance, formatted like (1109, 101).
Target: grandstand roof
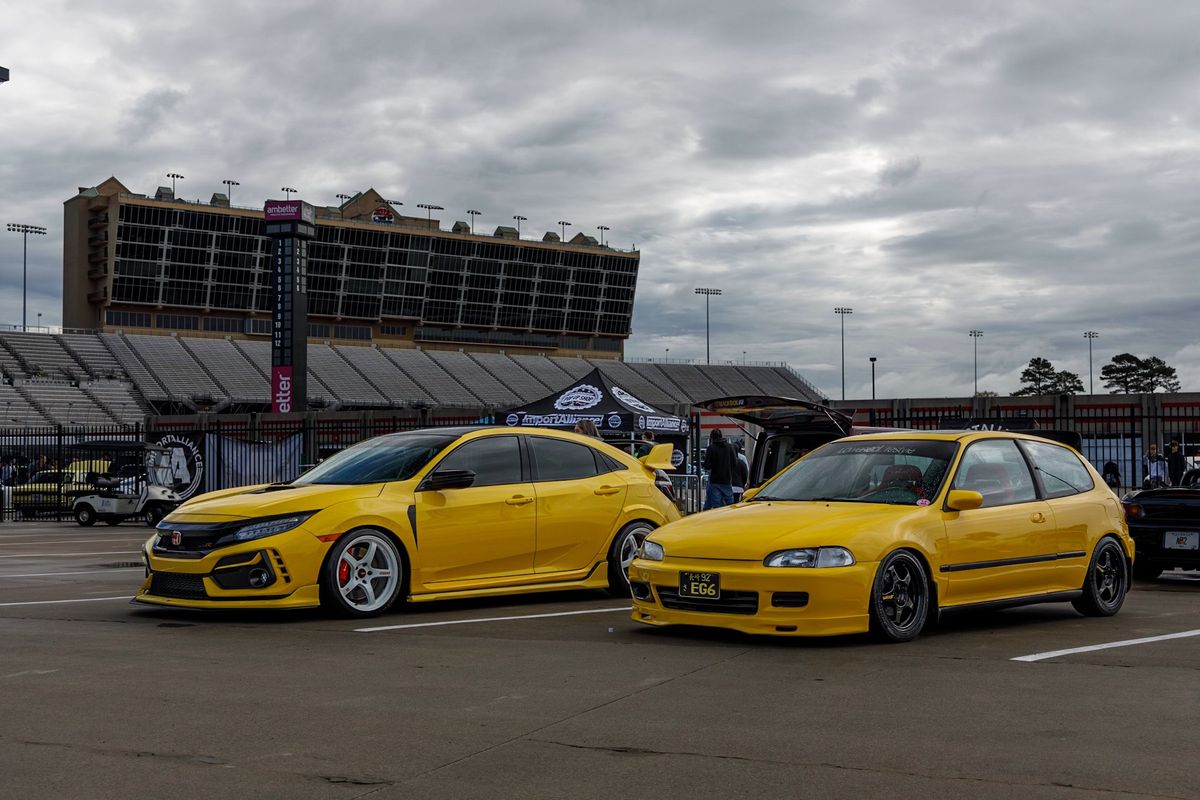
(65, 378)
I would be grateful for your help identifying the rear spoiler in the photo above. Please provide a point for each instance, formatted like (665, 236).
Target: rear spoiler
(659, 457)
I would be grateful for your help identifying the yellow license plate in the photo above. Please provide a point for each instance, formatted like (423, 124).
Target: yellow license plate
(700, 585)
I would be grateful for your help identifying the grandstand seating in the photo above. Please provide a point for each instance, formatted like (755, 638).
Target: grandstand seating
(63, 403)
(43, 355)
(91, 352)
(111, 378)
(239, 379)
(482, 384)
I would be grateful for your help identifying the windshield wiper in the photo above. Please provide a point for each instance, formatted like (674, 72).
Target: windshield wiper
(758, 497)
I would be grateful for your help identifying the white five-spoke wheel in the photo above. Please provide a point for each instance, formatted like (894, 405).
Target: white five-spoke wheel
(624, 550)
(363, 574)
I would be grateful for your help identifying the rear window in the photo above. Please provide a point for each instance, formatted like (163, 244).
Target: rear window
(1060, 471)
(558, 460)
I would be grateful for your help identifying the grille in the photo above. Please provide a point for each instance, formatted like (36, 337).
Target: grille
(183, 587)
(789, 599)
(729, 602)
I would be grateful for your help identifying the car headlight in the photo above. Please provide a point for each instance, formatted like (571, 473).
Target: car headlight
(266, 527)
(811, 557)
(651, 551)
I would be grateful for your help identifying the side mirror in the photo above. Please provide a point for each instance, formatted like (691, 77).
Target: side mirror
(447, 479)
(963, 500)
(749, 493)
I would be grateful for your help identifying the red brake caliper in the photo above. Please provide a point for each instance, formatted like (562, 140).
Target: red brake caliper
(343, 572)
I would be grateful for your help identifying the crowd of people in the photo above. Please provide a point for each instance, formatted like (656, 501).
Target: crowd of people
(17, 470)
(728, 471)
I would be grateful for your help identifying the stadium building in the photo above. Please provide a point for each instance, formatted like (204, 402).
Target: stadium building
(159, 264)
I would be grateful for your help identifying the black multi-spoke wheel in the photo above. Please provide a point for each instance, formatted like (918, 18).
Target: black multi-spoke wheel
(624, 550)
(363, 575)
(899, 598)
(1106, 583)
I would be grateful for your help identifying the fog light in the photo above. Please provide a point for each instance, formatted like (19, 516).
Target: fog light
(640, 590)
(259, 577)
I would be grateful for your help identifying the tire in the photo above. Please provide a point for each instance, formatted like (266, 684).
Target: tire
(899, 598)
(1146, 572)
(624, 549)
(364, 574)
(154, 514)
(85, 515)
(1107, 581)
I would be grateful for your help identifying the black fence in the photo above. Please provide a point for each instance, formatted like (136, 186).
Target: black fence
(44, 470)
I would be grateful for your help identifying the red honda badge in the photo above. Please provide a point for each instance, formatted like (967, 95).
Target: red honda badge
(176, 538)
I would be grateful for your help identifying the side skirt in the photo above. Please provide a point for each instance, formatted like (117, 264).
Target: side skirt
(1014, 602)
(597, 578)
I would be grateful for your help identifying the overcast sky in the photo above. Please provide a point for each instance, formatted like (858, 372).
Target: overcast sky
(1028, 169)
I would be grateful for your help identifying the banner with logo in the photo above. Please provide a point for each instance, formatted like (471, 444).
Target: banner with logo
(186, 471)
(597, 399)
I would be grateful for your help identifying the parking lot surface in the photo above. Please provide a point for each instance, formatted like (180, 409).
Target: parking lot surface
(561, 695)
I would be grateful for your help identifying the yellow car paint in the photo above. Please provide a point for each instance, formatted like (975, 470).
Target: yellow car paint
(479, 541)
(1045, 546)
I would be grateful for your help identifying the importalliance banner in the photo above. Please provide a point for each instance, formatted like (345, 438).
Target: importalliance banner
(234, 462)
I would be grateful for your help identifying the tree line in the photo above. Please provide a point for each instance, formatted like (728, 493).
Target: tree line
(1124, 374)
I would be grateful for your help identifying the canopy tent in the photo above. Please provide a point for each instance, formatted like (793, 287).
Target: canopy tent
(596, 398)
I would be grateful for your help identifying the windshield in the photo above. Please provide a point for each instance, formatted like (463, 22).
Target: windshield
(396, 457)
(896, 471)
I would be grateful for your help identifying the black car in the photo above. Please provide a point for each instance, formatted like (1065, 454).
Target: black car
(1165, 525)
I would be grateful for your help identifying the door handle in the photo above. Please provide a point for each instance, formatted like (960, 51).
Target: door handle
(1037, 517)
(519, 500)
(603, 490)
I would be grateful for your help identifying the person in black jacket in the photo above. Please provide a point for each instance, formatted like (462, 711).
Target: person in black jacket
(1176, 464)
(741, 473)
(719, 460)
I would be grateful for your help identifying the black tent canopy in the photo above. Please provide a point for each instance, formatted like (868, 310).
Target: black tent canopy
(594, 397)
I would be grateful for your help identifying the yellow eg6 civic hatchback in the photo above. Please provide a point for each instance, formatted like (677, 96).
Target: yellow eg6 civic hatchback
(881, 532)
(426, 515)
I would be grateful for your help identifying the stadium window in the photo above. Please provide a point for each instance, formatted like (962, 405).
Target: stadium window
(393, 330)
(176, 322)
(352, 332)
(223, 324)
(127, 319)
(318, 330)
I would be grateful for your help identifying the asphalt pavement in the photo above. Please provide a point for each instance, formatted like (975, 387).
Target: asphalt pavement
(562, 696)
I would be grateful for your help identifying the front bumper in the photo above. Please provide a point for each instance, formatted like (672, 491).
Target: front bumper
(817, 602)
(226, 577)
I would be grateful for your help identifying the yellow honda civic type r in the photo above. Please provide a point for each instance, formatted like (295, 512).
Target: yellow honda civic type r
(879, 532)
(425, 515)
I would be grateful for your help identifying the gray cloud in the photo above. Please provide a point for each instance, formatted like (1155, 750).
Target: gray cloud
(1028, 169)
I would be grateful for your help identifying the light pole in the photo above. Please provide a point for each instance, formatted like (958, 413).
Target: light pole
(174, 176)
(872, 358)
(1089, 335)
(429, 209)
(473, 214)
(708, 293)
(563, 224)
(229, 184)
(602, 229)
(39, 320)
(975, 336)
(25, 230)
(842, 312)
(519, 220)
(668, 355)
(288, 191)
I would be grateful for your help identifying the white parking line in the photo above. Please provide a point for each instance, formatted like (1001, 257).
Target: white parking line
(1107, 646)
(64, 555)
(54, 602)
(84, 572)
(489, 619)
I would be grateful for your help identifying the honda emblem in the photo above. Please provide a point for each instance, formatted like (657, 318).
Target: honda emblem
(176, 538)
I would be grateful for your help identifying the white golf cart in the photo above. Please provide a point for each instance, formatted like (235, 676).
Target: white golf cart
(143, 490)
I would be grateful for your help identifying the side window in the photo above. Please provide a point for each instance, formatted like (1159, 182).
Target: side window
(1060, 470)
(996, 469)
(495, 460)
(559, 460)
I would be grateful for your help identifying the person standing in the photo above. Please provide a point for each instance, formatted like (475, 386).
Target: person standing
(1176, 464)
(585, 427)
(741, 474)
(719, 460)
(1155, 466)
